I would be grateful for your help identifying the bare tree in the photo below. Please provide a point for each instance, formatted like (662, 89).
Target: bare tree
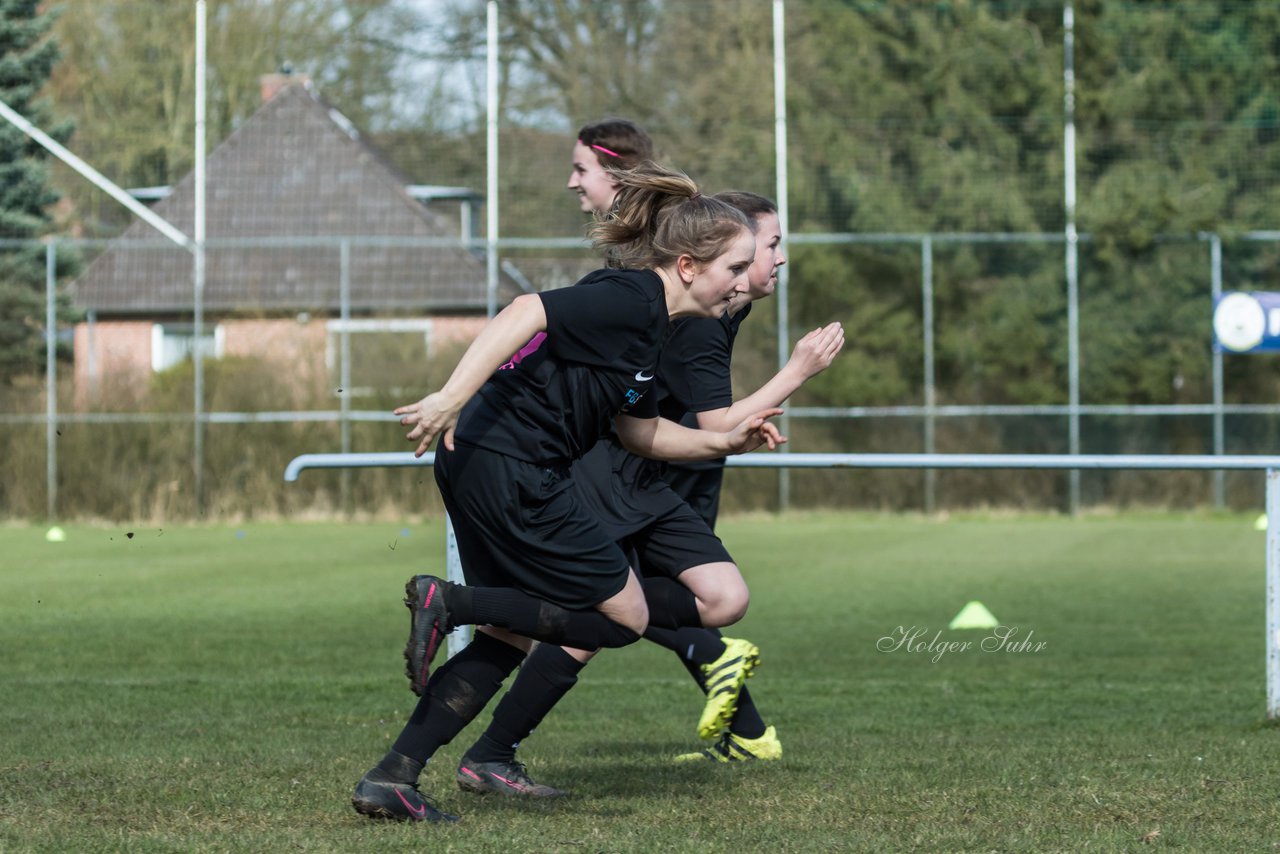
(128, 74)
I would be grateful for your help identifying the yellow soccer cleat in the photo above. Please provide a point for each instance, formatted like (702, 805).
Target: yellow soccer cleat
(723, 680)
(735, 748)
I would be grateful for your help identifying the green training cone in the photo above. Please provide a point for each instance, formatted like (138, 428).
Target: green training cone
(974, 616)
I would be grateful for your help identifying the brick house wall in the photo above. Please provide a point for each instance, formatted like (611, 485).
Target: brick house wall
(110, 354)
(114, 354)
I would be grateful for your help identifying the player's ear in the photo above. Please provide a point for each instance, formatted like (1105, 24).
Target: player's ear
(687, 268)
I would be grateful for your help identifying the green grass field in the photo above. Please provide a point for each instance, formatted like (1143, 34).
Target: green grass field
(222, 689)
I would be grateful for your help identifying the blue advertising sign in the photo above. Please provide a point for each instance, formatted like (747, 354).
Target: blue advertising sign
(1247, 322)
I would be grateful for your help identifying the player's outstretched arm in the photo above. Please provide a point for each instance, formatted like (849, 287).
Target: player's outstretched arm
(812, 355)
(437, 413)
(660, 439)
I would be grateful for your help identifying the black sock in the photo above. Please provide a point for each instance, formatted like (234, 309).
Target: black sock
(671, 604)
(534, 618)
(547, 675)
(696, 647)
(396, 768)
(457, 691)
(746, 720)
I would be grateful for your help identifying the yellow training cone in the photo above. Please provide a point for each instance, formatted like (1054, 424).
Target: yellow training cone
(55, 535)
(1260, 524)
(974, 616)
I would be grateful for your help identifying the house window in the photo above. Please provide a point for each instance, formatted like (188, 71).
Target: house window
(173, 343)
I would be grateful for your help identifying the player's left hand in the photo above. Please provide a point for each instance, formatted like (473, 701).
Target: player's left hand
(815, 352)
(756, 430)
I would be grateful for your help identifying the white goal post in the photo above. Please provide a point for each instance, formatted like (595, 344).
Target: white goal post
(1071, 462)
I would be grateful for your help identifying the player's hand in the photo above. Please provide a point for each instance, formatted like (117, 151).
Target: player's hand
(754, 431)
(434, 415)
(815, 352)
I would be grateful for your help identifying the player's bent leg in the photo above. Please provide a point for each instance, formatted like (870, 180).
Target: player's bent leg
(437, 606)
(627, 607)
(721, 592)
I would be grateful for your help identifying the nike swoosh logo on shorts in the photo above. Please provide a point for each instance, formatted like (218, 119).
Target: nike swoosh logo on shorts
(641, 378)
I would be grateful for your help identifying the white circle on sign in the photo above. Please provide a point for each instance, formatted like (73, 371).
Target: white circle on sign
(1239, 322)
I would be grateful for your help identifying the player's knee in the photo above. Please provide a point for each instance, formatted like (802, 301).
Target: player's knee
(635, 617)
(729, 606)
(734, 606)
(628, 609)
(628, 617)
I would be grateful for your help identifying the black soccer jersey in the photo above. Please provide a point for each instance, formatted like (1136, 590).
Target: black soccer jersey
(693, 373)
(598, 358)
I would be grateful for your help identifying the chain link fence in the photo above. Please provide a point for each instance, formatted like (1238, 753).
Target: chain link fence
(360, 226)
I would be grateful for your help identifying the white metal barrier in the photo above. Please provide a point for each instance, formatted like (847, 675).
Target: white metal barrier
(1075, 462)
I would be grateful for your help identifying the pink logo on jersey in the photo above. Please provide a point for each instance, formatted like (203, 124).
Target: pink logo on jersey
(527, 350)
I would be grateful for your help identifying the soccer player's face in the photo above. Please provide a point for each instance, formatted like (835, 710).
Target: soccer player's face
(763, 275)
(589, 181)
(716, 285)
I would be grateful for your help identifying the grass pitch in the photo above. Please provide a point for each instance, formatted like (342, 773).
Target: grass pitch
(222, 689)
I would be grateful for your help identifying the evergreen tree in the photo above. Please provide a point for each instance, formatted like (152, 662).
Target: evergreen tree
(27, 57)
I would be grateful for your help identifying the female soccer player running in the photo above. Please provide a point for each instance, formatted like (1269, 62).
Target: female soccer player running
(695, 389)
(718, 665)
(539, 563)
(670, 539)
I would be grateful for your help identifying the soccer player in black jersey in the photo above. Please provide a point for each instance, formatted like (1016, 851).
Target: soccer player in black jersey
(695, 389)
(539, 563)
(670, 539)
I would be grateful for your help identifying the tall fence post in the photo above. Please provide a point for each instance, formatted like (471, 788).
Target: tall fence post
(51, 377)
(198, 257)
(784, 220)
(930, 391)
(491, 159)
(1072, 259)
(1219, 431)
(1273, 593)
(344, 368)
(1073, 367)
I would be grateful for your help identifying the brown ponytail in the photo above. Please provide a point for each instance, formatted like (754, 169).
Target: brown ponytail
(659, 215)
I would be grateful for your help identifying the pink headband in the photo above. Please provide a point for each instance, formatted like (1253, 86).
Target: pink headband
(601, 148)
